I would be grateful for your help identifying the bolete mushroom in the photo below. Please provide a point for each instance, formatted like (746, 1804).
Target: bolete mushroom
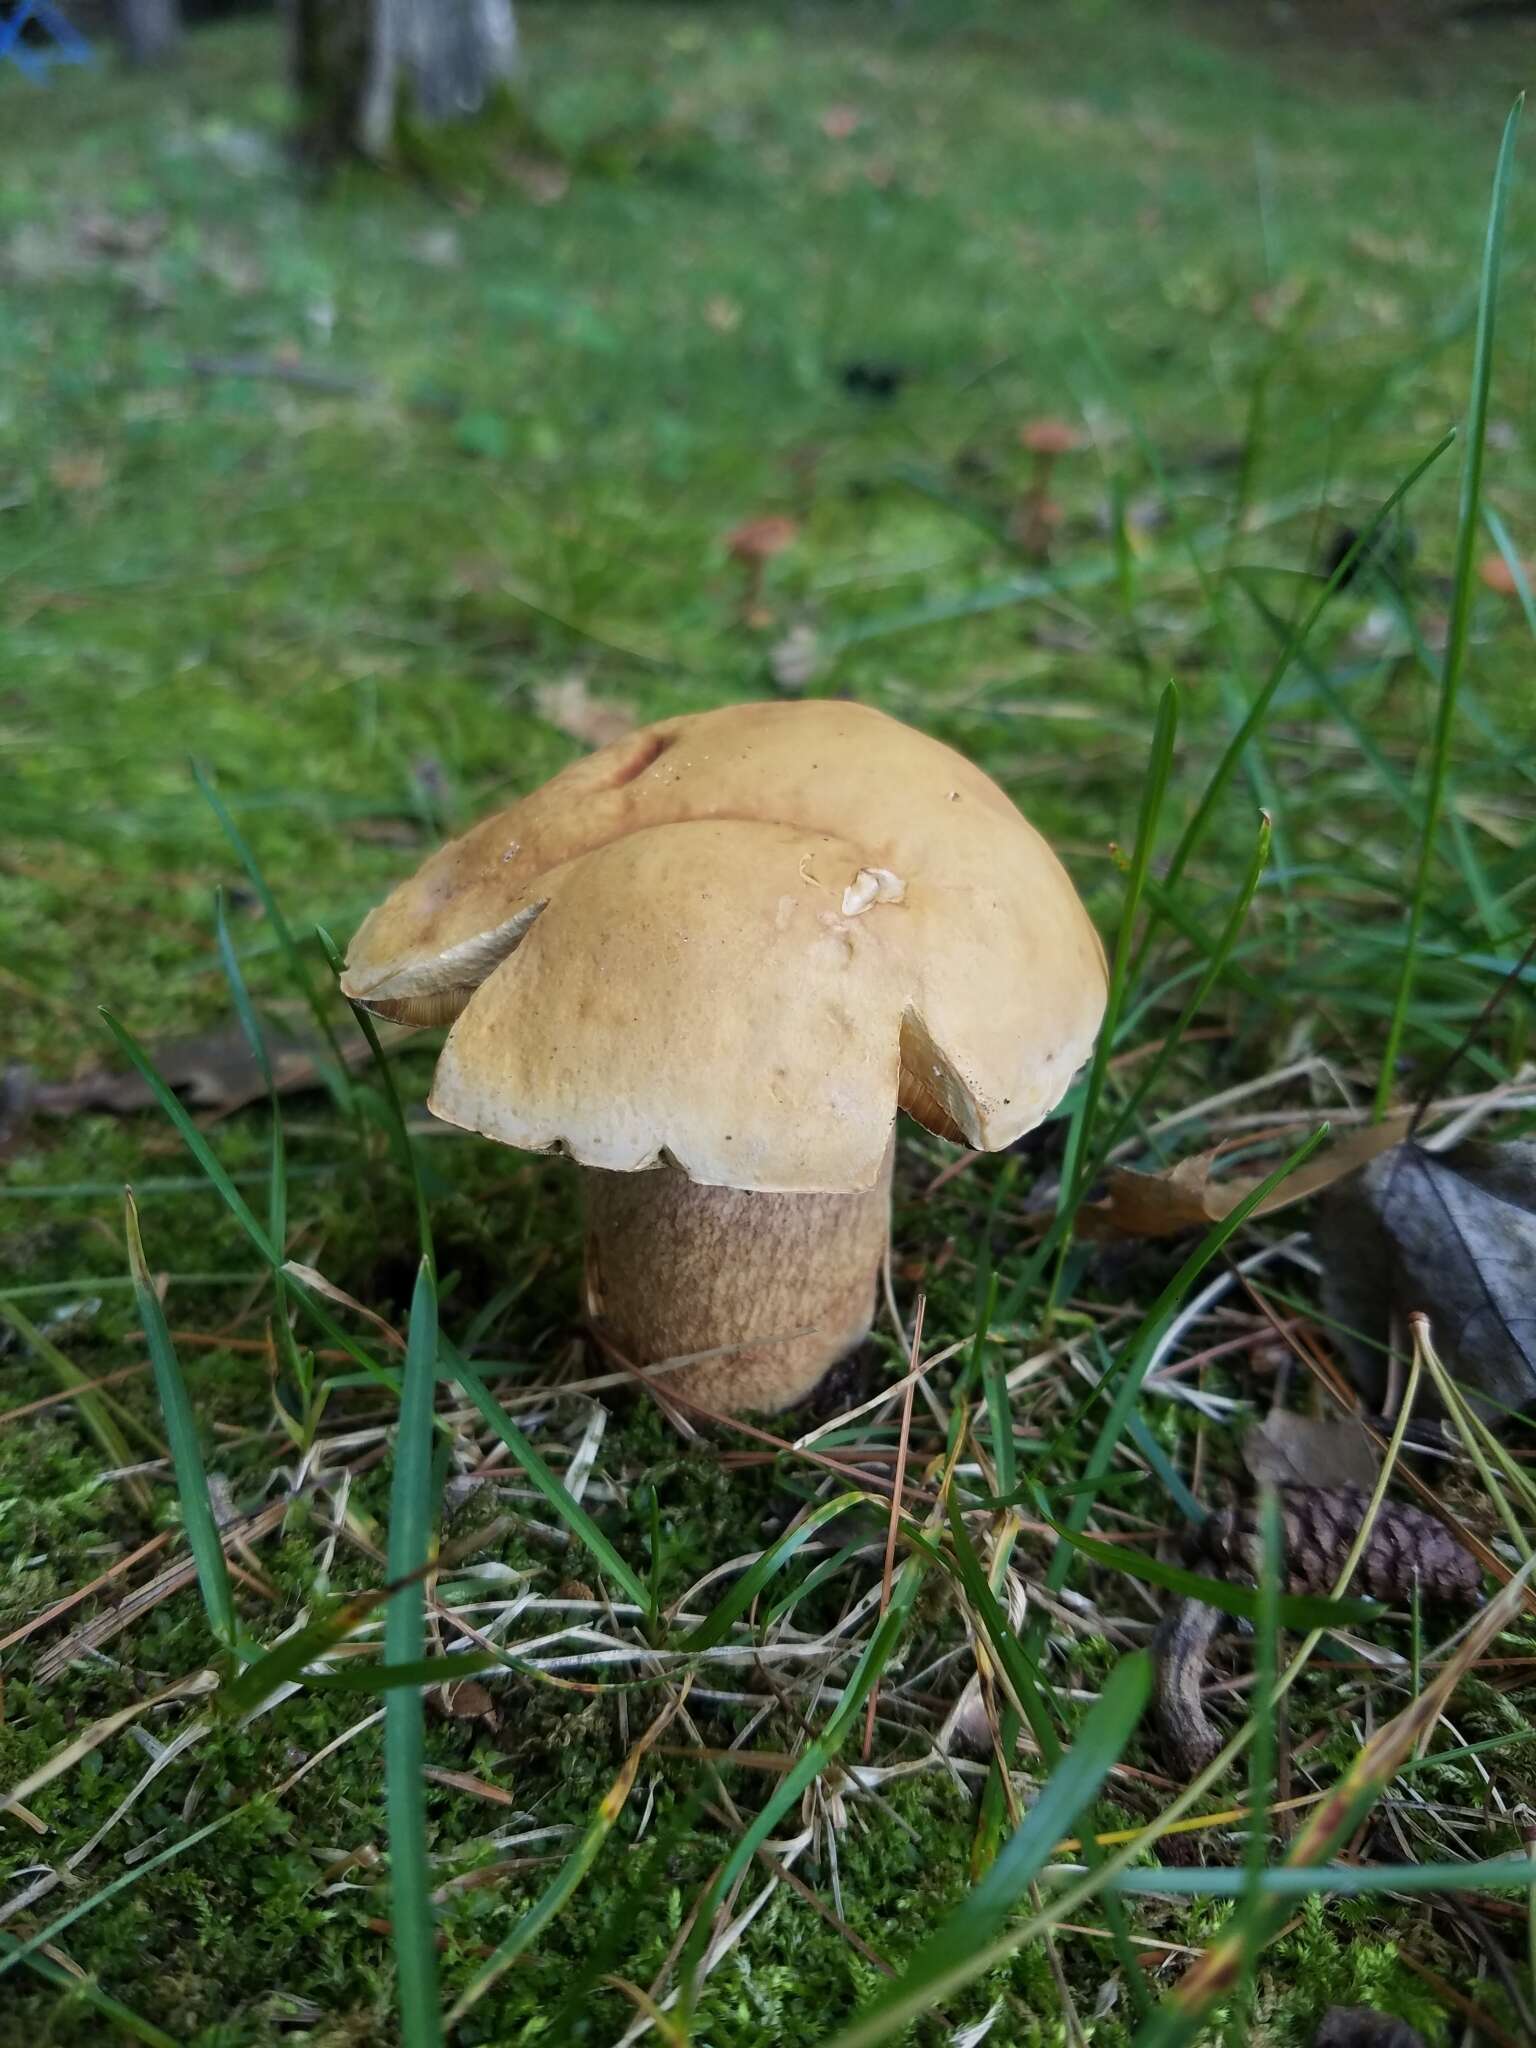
(708, 962)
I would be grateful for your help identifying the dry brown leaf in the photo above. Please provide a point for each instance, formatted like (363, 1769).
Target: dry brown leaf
(1311, 1450)
(1186, 1197)
(82, 469)
(591, 720)
(465, 1699)
(307, 1276)
(210, 1070)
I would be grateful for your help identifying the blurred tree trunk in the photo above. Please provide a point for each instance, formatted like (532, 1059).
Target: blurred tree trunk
(148, 30)
(360, 65)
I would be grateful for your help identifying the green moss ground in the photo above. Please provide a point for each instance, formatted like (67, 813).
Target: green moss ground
(566, 385)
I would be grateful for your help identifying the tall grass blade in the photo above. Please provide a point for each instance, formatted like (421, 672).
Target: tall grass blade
(713, 1628)
(1216, 960)
(410, 1540)
(86, 1992)
(107, 1419)
(197, 1513)
(1154, 790)
(571, 1872)
(386, 1074)
(1461, 598)
(811, 1762)
(336, 1076)
(949, 1958)
(1157, 1319)
(558, 1495)
(1194, 832)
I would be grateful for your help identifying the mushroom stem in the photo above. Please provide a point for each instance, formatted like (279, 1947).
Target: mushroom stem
(782, 1285)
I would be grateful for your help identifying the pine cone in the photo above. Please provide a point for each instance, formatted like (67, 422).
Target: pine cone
(1361, 2026)
(1406, 1548)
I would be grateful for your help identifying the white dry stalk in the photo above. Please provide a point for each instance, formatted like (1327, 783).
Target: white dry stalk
(1291, 1247)
(880, 1400)
(166, 1754)
(65, 1759)
(579, 1468)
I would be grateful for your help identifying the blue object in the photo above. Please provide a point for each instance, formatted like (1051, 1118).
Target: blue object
(65, 44)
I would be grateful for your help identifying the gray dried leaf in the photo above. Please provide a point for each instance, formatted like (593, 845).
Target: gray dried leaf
(1361, 2026)
(1309, 1450)
(210, 1070)
(1452, 1234)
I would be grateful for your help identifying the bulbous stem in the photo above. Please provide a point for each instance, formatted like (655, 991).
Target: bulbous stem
(781, 1285)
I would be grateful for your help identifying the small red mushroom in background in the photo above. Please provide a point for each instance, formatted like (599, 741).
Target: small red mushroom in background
(1496, 573)
(754, 547)
(1037, 516)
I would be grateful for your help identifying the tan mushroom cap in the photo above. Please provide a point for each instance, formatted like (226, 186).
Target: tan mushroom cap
(734, 942)
(1050, 437)
(761, 539)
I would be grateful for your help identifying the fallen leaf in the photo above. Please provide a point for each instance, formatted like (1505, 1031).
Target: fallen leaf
(209, 1070)
(1186, 1198)
(839, 122)
(309, 1276)
(589, 719)
(82, 469)
(541, 182)
(1495, 572)
(1451, 1234)
(723, 314)
(1361, 2026)
(122, 234)
(1310, 1450)
(463, 1700)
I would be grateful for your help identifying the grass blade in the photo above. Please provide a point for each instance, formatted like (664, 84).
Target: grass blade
(1461, 598)
(193, 1139)
(1296, 1610)
(569, 1509)
(1195, 831)
(572, 1871)
(811, 1762)
(105, 1418)
(280, 1666)
(1157, 1320)
(197, 1514)
(410, 1539)
(1154, 789)
(952, 1956)
(1215, 962)
(89, 1993)
(391, 1096)
(752, 1581)
(336, 1076)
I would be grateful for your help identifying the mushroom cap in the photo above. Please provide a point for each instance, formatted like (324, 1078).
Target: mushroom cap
(733, 942)
(1050, 437)
(761, 539)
